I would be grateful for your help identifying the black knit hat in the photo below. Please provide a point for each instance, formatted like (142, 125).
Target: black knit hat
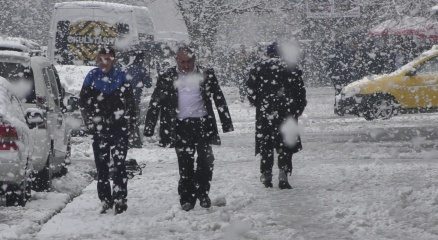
(272, 50)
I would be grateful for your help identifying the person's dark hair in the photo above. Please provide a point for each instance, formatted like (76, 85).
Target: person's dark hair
(107, 50)
(272, 50)
(187, 49)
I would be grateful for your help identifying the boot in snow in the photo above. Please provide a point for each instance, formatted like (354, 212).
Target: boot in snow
(204, 201)
(187, 206)
(105, 207)
(283, 183)
(266, 179)
(121, 206)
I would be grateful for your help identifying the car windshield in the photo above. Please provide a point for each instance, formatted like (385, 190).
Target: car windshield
(410, 65)
(15, 72)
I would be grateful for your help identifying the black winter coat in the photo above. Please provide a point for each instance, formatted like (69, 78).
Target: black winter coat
(107, 103)
(164, 103)
(277, 92)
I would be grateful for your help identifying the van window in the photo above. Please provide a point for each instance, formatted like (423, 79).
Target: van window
(52, 88)
(14, 72)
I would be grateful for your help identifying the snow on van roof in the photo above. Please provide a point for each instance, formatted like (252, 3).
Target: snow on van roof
(172, 36)
(102, 5)
(111, 12)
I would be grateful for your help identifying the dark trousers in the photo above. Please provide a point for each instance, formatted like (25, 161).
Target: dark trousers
(134, 134)
(191, 139)
(272, 140)
(105, 147)
(284, 159)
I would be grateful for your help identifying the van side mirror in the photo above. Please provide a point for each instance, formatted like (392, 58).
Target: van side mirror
(411, 73)
(34, 117)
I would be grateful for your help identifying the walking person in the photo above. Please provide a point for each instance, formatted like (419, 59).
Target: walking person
(277, 91)
(107, 105)
(182, 99)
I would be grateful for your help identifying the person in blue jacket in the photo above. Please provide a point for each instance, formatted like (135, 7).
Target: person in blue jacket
(108, 108)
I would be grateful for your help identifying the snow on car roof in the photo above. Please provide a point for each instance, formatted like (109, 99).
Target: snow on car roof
(15, 56)
(19, 43)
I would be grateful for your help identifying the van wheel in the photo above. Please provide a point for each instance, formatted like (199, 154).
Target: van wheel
(43, 178)
(381, 106)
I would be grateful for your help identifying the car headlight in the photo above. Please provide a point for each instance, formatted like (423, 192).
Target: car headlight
(350, 91)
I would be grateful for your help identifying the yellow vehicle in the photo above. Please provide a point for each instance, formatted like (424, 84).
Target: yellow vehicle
(412, 88)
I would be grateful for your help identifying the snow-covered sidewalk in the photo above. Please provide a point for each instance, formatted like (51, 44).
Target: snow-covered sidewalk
(24, 222)
(353, 180)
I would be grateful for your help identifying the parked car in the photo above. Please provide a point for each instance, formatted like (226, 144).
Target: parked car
(44, 104)
(412, 88)
(15, 148)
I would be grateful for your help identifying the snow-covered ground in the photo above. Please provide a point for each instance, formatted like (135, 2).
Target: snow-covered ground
(354, 180)
(24, 222)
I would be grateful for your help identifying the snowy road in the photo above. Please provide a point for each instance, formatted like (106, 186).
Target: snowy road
(353, 180)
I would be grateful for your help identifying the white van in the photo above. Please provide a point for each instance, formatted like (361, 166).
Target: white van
(78, 29)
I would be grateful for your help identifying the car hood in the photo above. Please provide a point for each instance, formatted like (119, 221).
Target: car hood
(356, 87)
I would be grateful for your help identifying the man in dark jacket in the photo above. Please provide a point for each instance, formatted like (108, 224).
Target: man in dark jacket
(182, 99)
(277, 91)
(107, 105)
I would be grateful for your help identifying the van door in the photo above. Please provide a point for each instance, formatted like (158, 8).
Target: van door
(55, 117)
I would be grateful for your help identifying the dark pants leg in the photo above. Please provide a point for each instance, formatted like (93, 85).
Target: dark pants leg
(101, 149)
(285, 159)
(204, 169)
(104, 148)
(135, 135)
(267, 159)
(120, 178)
(191, 139)
(186, 184)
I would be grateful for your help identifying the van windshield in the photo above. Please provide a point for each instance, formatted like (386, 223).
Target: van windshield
(15, 72)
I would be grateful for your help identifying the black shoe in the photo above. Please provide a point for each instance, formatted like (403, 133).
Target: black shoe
(105, 207)
(187, 206)
(266, 179)
(205, 201)
(284, 185)
(120, 206)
